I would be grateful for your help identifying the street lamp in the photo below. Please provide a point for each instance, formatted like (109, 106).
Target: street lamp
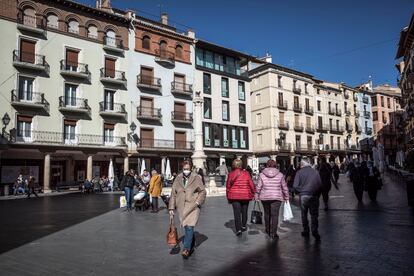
(132, 126)
(6, 121)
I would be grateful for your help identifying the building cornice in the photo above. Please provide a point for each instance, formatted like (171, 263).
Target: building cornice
(290, 72)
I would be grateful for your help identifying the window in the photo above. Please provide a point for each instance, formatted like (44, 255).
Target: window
(206, 83)
(259, 139)
(384, 119)
(375, 116)
(279, 81)
(73, 26)
(93, 32)
(179, 51)
(382, 101)
(207, 108)
(225, 132)
(71, 62)
(25, 89)
(27, 51)
(29, 17)
(355, 108)
(109, 100)
(306, 88)
(307, 104)
(234, 138)
(338, 142)
(309, 142)
(199, 57)
(147, 76)
(243, 138)
(146, 42)
(259, 120)
(70, 131)
(330, 123)
(308, 122)
(52, 21)
(179, 82)
(280, 98)
(297, 141)
(318, 91)
(296, 101)
(296, 120)
(332, 141)
(329, 107)
(207, 132)
(216, 135)
(374, 101)
(208, 61)
(258, 98)
(109, 133)
(320, 122)
(319, 105)
(242, 94)
(163, 46)
(225, 111)
(242, 113)
(70, 94)
(24, 126)
(337, 124)
(336, 107)
(225, 87)
(110, 68)
(388, 102)
(110, 38)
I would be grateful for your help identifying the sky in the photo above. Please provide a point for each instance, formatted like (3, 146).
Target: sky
(338, 41)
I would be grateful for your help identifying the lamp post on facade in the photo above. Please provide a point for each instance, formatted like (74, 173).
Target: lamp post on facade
(5, 120)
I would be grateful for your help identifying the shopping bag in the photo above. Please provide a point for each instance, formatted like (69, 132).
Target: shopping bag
(172, 235)
(122, 202)
(287, 211)
(140, 195)
(256, 216)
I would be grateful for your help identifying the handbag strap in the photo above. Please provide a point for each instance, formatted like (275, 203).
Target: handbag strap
(234, 179)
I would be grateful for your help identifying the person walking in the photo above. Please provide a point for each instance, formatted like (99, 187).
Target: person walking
(271, 190)
(155, 188)
(308, 184)
(325, 172)
(223, 172)
(187, 195)
(372, 181)
(289, 178)
(128, 183)
(357, 178)
(31, 187)
(240, 191)
(335, 172)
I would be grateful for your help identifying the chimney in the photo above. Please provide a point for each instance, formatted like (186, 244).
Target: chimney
(164, 18)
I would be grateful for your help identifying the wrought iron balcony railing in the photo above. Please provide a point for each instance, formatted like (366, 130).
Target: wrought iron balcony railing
(336, 130)
(75, 103)
(77, 68)
(322, 128)
(165, 56)
(148, 82)
(304, 148)
(309, 110)
(165, 144)
(183, 88)
(30, 60)
(338, 112)
(310, 129)
(110, 74)
(149, 113)
(282, 104)
(284, 147)
(31, 21)
(283, 125)
(297, 90)
(112, 107)
(113, 42)
(182, 116)
(297, 108)
(298, 127)
(29, 98)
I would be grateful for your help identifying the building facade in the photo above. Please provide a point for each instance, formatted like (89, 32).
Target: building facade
(160, 87)
(64, 89)
(221, 78)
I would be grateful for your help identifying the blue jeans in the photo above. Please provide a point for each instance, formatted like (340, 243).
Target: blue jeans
(129, 192)
(188, 237)
(223, 180)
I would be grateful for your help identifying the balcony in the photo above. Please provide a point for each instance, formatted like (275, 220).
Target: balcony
(31, 24)
(158, 144)
(304, 148)
(149, 83)
(298, 127)
(309, 110)
(338, 112)
(29, 100)
(365, 99)
(347, 112)
(30, 61)
(297, 90)
(368, 130)
(113, 77)
(356, 114)
(165, 57)
(310, 129)
(181, 117)
(297, 108)
(336, 130)
(331, 111)
(284, 147)
(283, 125)
(181, 89)
(78, 70)
(367, 114)
(282, 104)
(113, 44)
(48, 138)
(322, 128)
(112, 110)
(74, 105)
(148, 113)
(349, 129)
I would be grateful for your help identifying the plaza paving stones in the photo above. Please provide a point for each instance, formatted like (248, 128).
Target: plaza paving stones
(357, 239)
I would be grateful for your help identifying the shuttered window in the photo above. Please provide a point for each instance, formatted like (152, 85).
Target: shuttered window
(27, 51)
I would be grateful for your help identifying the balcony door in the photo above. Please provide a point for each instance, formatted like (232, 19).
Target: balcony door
(109, 100)
(180, 140)
(27, 51)
(320, 122)
(25, 89)
(308, 122)
(147, 75)
(296, 102)
(110, 68)
(71, 60)
(70, 94)
(70, 131)
(147, 138)
(179, 81)
(24, 128)
(179, 111)
(147, 107)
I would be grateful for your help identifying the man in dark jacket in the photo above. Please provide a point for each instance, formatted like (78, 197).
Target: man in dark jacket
(128, 183)
(325, 172)
(308, 184)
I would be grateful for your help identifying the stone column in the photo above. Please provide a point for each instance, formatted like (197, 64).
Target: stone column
(89, 168)
(126, 164)
(198, 156)
(292, 160)
(46, 174)
(163, 164)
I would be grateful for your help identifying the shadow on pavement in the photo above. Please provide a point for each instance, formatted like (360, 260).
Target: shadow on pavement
(199, 239)
(23, 221)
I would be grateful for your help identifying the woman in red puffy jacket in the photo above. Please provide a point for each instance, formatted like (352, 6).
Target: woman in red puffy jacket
(240, 191)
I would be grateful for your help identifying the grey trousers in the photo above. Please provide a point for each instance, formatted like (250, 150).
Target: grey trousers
(309, 204)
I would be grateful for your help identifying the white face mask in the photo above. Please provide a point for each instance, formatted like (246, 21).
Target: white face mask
(186, 172)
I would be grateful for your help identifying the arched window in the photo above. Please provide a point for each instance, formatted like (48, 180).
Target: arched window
(163, 46)
(110, 38)
(29, 17)
(93, 32)
(146, 42)
(179, 51)
(73, 26)
(52, 21)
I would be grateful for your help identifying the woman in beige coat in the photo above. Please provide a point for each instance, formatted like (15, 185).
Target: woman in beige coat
(187, 195)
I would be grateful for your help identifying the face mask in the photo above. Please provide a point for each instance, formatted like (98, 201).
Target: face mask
(186, 172)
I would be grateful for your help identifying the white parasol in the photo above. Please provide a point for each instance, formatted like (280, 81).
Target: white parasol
(111, 173)
(168, 170)
(142, 166)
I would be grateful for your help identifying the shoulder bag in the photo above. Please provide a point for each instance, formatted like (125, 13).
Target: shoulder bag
(256, 216)
(172, 235)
